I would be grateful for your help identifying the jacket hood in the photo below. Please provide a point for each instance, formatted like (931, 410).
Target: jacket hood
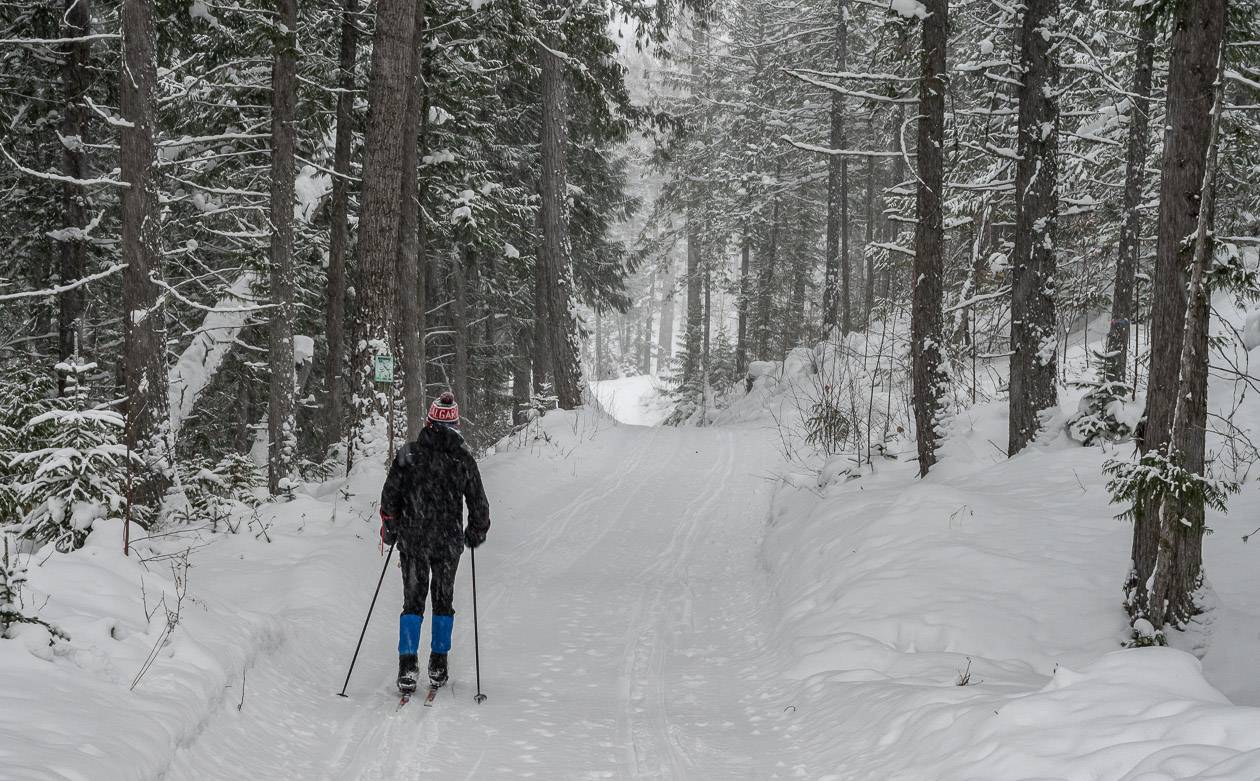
(440, 437)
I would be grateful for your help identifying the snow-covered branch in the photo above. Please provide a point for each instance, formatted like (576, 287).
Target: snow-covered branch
(58, 290)
(59, 178)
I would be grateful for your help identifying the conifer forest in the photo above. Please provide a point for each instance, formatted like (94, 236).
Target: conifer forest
(834, 350)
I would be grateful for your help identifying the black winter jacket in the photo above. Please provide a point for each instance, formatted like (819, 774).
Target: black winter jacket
(424, 494)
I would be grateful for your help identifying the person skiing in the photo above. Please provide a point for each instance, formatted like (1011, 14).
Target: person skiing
(422, 509)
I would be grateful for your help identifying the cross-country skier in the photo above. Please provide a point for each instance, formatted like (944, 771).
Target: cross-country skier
(422, 510)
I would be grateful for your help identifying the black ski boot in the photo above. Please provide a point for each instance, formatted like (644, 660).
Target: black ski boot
(408, 673)
(437, 670)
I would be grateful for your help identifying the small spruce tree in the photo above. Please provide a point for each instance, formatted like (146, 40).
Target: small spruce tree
(75, 473)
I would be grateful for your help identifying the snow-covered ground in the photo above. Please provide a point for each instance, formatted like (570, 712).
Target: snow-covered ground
(1004, 575)
(635, 401)
(621, 633)
(659, 603)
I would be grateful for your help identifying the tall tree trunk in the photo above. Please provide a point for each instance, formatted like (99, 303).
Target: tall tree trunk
(461, 262)
(1198, 35)
(794, 334)
(379, 224)
(1033, 385)
(765, 280)
(929, 236)
(557, 263)
(665, 335)
(541, 338)
(868, 292)
(645, 358)
(706, 350)
(410, 280)
(144, 326)
(890, 226)
(836, 271)
(281, 433)
(745, 296)
(695, 312)
(75, 77)
(521, 368)
(1122, 304)
(489, 376)
(599, 345)
(335, 291)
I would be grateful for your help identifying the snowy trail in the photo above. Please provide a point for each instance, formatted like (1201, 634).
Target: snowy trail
(620, 625)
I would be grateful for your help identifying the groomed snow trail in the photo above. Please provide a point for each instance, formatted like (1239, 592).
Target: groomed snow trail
(622, 632)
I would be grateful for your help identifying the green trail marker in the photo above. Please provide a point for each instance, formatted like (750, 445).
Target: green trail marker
(383, 366)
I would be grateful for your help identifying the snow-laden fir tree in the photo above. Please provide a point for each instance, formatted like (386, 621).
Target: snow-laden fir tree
(76, 474)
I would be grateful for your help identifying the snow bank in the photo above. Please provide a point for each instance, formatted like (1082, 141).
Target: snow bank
(1003, 574)
(157, 648)
(969, 625)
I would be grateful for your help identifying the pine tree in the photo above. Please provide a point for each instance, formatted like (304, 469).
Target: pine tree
(76, 473)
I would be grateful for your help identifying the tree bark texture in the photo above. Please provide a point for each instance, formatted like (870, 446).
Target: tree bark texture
(335, 291)
(600, 374)
(836, 298)
(557, 263)
(889, 227)
(542, 341)
(745, 298)
(766, 280)
(868, 291)
(665, 334)
(461, 263)
(645, 356)
(144, 334)
(384, 141)
(1033, 384)
(281, 427)
(695, 308)
(929, 236)
(75, 77)
(706, 348)
(411, 303)
(1198, 35)
(521, 369)
(1123, 309)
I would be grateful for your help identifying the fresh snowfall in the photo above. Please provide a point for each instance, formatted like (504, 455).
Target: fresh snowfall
(677, 390)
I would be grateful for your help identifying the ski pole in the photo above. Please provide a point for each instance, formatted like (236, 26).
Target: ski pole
(371, 607)
(480, 698)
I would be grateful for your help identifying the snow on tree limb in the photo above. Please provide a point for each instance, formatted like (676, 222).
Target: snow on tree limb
(199, 362)
(52, 291)
(59, 177)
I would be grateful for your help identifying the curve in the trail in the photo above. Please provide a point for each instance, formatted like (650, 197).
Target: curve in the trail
(633, 401)
(622, 633)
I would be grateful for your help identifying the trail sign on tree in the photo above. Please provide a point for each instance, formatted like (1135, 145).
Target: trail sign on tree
(383, 368)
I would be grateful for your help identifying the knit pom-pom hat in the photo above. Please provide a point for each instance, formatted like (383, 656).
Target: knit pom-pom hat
(444, 410)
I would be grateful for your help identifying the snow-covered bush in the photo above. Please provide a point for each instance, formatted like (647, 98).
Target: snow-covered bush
(24, 395)
(75, 470)
(12, 578)
(829, 423)
(1104, 413)
(216, 492)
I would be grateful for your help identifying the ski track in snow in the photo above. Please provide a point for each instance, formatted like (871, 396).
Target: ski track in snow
(620, 629)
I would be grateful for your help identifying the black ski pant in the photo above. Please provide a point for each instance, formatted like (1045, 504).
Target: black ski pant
(428, 575)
